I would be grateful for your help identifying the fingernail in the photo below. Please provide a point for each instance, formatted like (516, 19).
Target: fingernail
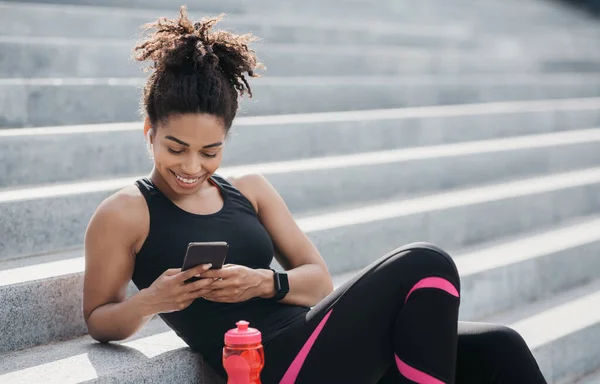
(207, 266)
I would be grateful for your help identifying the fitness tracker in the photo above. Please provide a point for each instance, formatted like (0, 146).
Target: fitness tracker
(282, 285)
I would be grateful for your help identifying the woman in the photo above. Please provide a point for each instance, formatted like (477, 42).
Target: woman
(396, 322)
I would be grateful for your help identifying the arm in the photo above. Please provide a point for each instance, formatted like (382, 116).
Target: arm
(308, 275)
(121, 222)
(109, 263)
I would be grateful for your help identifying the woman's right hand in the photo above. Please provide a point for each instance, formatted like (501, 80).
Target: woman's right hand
(170, 293)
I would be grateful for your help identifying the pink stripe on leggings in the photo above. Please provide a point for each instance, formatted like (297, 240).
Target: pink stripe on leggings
(414, 374)
(294, 369)
(434, 282)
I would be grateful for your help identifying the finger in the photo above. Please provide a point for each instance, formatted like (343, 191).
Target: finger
(223, 273)
(221, 298)
(223, 293)
(171, 271)
(197, 270)
(219, 283)
(198, 284)
(203, 293)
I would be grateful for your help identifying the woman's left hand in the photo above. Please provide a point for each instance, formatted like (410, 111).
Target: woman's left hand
(236, 283)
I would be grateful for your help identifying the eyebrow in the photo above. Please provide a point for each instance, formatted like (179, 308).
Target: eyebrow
(173, 138)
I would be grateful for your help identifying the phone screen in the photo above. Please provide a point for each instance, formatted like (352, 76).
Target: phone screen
(204, 253)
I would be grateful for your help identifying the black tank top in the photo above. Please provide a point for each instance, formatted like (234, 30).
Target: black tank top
(203, 324)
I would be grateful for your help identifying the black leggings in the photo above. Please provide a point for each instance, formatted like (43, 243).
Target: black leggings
(396, 322)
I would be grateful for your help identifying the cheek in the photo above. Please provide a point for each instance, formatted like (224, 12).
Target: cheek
(163, 158)
(213, 164)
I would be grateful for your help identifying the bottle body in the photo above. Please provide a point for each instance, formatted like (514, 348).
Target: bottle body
(243, 354)
(243, 363)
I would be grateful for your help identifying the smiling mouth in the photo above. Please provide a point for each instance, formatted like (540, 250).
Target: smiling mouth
(185, 180)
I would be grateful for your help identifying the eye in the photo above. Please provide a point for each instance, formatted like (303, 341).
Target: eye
(174, 151)
(209, 155)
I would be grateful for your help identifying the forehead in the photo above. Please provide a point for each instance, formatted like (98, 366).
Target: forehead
(194, 128)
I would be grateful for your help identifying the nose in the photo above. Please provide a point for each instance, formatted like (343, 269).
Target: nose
(192, 165)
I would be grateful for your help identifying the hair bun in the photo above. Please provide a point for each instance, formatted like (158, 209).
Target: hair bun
(187, 53)
(204, 55)
(181, 45)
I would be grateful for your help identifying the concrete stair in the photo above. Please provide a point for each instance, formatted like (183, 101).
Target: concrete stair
(431, 10)
(150, 356)
(473, 124)
(36, 56)
(22, 19)
(120, 149)
(33, 102)
(593, 378)
(47, 219)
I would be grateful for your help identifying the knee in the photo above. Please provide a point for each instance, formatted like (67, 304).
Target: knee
(432, 250)
(432, 260)
(505, 341)
(512, 339)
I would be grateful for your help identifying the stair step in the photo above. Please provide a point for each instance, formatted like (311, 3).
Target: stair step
(400, 11)
(593, 378)
(23, 19)
(153, 355)
(33, 102)
(76, 57)
(453, 219)
(30, 156)
(51, 218)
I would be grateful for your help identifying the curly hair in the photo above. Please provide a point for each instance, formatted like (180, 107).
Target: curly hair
(194, 69)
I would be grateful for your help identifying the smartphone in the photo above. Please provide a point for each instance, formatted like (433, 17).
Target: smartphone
(203, 253)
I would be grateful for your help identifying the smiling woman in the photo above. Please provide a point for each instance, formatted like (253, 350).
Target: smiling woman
(187, 149)
(192, 96)
(141, 232)
(396, 322)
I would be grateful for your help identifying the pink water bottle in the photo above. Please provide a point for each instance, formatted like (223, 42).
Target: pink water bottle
(243, 355)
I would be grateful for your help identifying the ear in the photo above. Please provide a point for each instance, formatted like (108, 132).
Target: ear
(147, 128)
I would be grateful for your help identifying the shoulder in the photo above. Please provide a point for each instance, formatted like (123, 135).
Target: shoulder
(254, 186)
(124, 214)
(123, 204)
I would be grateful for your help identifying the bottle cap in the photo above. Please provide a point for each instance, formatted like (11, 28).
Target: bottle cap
(243, 334)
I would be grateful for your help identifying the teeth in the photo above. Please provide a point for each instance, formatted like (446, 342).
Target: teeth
(187, 181)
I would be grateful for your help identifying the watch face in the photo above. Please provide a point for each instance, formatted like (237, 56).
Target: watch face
(277, 282)
(282, 286)
(283, 283)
